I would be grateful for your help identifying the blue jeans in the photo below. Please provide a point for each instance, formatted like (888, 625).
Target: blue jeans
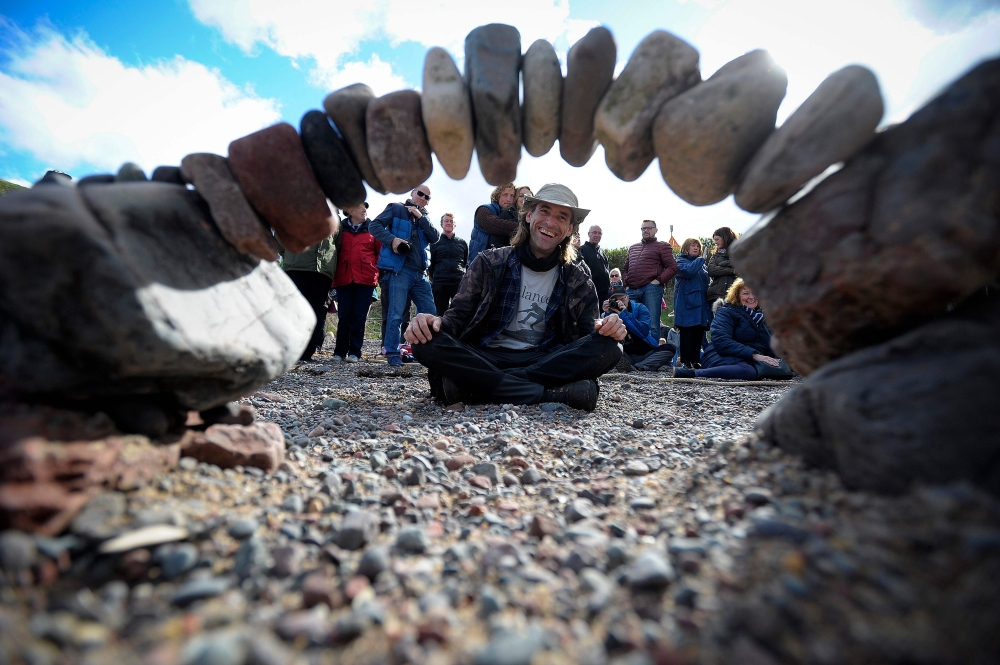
(406, 282)
(651, 296)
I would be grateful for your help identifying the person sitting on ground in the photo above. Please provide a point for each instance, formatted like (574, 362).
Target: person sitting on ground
(449, 259)
(495, 222)
(523, 327)
(691, 308)
(642, 348)
(741, 342)
(355, 280)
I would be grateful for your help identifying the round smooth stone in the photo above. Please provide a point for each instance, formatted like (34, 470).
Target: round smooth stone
(335, 172)
(347, 108)
(397, 143)
(590, 66)
(447, 113)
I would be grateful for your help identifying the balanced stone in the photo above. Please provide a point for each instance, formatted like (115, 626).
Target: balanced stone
(235, 219)
(96, 179)
(335, 172)
(919, 408)
(834, 123)
(142, 297)
(705, 136)
(447, 113)
(276, 178)
(590, 66)
(907, 227)
(492, 63)
(347, 108)
(397, 143)
(171, 174)
(661, 67)
(130, 172)
(542, 79)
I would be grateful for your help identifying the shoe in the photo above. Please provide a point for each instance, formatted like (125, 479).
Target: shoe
(351, 359)
(624, 365)
(394, 361)
(578, 395)
(683, 373)
(450, 391)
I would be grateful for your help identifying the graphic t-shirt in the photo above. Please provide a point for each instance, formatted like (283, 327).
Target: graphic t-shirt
(527, 328)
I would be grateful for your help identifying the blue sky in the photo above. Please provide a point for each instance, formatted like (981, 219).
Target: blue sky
(89, 85)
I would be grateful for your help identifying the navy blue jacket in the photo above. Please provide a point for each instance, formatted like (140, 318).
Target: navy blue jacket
(735, 338)
(691, 306)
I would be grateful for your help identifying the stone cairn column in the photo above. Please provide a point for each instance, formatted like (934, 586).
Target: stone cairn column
(149, 300)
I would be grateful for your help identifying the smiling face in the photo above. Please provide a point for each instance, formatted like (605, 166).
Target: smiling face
(357, 213)
(550, 224)
(506, 198)
(421, 195)
(615, 275)
(747, 298)
(448, 225)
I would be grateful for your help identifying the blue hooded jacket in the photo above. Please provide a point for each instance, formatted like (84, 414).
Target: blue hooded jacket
(691, 306)
(396, 221)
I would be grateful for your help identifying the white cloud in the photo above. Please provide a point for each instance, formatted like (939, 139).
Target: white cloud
(376, 73)
(69, 103)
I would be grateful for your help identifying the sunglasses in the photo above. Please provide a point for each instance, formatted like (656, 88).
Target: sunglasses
(647, 228)
(425, 197)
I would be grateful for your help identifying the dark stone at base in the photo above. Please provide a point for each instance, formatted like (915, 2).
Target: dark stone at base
(590, 66)
(908, 226)
(171, 174)
(130, 172)
(96, 179)
(492, 63)
(921, 407)
(335, 172)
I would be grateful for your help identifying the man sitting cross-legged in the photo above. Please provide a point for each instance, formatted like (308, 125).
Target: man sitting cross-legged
(523, 327)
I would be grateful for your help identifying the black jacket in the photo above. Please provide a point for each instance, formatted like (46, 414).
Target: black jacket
(597, 261)
(449, 258)
(723, 274)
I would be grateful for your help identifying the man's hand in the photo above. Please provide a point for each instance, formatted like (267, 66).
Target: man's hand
(606, 306)
(415, 211)
(419, 330)
(655, 282)
(396, 242)
(610, 326)
(767, 360)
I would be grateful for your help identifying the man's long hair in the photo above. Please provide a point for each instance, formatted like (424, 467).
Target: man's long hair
(523, 233)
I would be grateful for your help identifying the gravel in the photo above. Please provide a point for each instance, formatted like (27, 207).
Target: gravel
(412, 533)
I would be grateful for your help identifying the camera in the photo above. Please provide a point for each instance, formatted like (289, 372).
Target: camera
(403, 248)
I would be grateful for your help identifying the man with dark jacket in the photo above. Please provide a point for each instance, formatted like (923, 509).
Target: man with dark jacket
(523, 327)
(449, 258)
(312, 272)
(405, 234)
(597, 261)
(649, 265)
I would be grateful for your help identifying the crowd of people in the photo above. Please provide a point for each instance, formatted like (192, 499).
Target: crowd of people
(524, 313)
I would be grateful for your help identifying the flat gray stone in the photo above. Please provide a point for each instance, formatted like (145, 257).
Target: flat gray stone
(447, 113)
(835, 122)
(661, 67)
(651, 572)
(347, 108)
(130, 172)
(412, 540)
(199, 589)
(148, 300)
(541, 108)
(397, 143)
(488, 469)
(231, 212)
(590, 66)
(492, 64)
(357, 530)
(707, 135)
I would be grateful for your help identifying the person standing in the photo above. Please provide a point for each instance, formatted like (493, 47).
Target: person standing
(355, 280)
(312, 272)
(691, 307)
(719, 265)
(449, 259)
(405, 234)
(523, 328)
(649, 266)
(495, 222)
(597, 261)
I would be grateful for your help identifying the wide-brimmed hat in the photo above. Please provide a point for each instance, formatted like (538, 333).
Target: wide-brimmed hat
(559, 195)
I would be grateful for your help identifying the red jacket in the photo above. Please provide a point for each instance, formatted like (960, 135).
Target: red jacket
(356, 257)
(647, 261)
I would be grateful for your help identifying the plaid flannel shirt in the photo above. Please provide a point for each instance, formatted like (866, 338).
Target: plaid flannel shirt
(506, 306)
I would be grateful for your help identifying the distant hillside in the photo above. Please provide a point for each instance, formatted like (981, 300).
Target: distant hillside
(8, 187)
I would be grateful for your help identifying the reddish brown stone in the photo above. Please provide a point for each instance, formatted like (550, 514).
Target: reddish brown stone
(261, 445)
(275, 176)
(458, 461)
(482, 482)
(543, 525)
(319, 588)
(235, 219)
(397, 142)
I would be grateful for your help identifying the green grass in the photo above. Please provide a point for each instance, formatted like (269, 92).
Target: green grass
(7, 187)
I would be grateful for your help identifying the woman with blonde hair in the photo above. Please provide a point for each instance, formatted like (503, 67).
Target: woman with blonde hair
(741, 342)
(494, 223)
(691, 308)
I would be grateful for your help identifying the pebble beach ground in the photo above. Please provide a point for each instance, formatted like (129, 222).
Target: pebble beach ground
(657, 529)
